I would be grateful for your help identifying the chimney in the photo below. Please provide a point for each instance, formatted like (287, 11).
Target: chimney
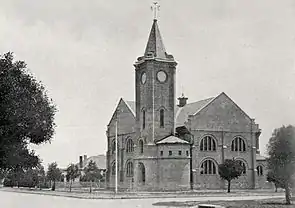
(85, 159)
(182, 101)
(80, 161)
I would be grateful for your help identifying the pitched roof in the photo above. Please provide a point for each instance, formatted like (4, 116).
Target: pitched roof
(172, 140)
(131, 106)
(260, 157)
(155, 43)
(182, 113)
(100, 161)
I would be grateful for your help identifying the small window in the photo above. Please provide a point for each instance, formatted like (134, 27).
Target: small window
(161, 153)
(129, 169)
(170, 152)
(179, 152)
(129, 145)
(141, 146)
(162, 118)
(243, 166)
(187, 154)
(143, 119)
(259, 170)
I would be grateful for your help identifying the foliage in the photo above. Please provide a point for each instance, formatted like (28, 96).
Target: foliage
(24, 178)
(53, 174)
(92, 172)
(281, 161)
(271, 177)
(26, 114)
(229, 170)
(72, 173)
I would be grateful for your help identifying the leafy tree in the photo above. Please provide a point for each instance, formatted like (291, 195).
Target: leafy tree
(281, 161)
(230, 170)
(26, 115)
(53, 174)
(271, 177)
(72, 173)
(92, 173)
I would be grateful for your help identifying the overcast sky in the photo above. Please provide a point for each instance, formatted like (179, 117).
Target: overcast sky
(83, 52)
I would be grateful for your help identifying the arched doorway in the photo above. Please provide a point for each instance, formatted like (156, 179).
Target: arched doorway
(141, 173)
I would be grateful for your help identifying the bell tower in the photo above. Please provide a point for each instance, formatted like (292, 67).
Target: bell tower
(155, 89)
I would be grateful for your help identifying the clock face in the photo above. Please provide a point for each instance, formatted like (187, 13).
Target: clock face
(162, 76)
(143, 78)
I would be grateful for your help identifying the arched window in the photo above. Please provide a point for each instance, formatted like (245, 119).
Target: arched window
(141, 146)
(129, 146)
(208, 167)
(113, 146)
(143, 119)
(114, 168)
(238, 145)
(208, 144)
(259, 170)
(129, 169)
(162, 118)
(243, 165)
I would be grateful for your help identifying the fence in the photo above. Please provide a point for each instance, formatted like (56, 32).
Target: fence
(81, 186)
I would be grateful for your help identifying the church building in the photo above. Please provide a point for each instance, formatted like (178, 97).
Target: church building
(165, 143)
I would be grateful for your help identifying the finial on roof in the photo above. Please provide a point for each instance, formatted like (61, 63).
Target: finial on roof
(182, 100)
(155, 8)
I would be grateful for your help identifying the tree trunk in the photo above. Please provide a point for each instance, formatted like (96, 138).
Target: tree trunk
(90, 186)
(71, 185)
(53, 187)
(228, 187)
(276, 188)
(288, 194)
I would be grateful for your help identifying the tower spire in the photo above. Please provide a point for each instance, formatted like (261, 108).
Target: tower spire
(155, 8)
(155, 46)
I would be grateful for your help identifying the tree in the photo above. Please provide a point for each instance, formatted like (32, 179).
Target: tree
(72, 173)
(92, 173)
(26, 114)
(230, 170)
(281, 161)
(271, 177)
(53, 174)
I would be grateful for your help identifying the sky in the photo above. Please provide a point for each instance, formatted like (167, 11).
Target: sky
(84, 51)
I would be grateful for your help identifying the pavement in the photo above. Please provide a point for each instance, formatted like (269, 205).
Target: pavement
(13, 199)
(143, 195)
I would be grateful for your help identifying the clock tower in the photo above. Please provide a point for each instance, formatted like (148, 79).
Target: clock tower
(155, 90)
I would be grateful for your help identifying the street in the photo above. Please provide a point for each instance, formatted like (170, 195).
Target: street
(20, 200)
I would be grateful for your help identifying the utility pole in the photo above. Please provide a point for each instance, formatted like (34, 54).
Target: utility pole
(116, 162)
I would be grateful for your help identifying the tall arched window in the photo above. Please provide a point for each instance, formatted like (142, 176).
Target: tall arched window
(208, 167)
(238, 145)
(143, 119)
(129, 169)
(129, 146)
(208, 144)
(113, 146)
(162, 118)
(259, 170)
(243, 165)
(114, 168)
(141, 146)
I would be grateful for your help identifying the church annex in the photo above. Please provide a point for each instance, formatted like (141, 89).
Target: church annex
(165, 144)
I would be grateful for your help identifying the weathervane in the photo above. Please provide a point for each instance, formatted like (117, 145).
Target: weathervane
(155, 8)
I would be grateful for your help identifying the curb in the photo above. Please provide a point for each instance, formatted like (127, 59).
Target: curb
(94, 196)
